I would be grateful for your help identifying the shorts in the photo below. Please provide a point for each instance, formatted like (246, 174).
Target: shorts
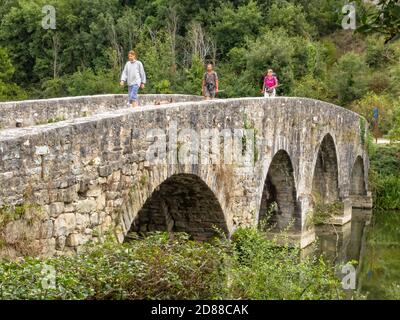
(133, 92)
(270, 94)
(209, 93)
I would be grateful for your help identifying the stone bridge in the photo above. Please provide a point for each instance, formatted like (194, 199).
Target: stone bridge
(73, 169)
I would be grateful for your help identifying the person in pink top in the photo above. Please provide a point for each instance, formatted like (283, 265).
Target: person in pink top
(270, 84)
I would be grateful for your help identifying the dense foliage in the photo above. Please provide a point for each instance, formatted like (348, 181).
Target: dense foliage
(302, 40)
(384, 176)
(385, 20)
(248, 267)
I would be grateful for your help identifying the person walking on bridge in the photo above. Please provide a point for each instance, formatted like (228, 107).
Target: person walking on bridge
(270, 84)
(210, 83)
(135, 76)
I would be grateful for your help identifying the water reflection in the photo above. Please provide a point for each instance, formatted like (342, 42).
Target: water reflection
(341, 244)
(371, 241)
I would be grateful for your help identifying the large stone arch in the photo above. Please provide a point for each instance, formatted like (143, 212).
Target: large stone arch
(279, 197)
(357, 179)
(182, 203)
(325, 183)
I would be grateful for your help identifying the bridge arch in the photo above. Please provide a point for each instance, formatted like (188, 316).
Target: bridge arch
(325, 183)
(181, 203)
(357, 182)
(279, 198)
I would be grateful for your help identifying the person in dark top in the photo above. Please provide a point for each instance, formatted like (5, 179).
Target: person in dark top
(210, 83)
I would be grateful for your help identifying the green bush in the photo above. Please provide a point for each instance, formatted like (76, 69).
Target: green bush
(386, 105)
(387, 193)
(8, 90)
(384, 180)
(310, 87)
(394, 133)
(263, 270)
(156, 267)
(349, 78)
(386, 159)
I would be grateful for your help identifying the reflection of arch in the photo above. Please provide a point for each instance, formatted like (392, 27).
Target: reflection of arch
(279, 188)
(182, 203)
(357, 186)
(325, 185)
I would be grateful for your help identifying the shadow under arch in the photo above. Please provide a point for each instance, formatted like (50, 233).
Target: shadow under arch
(325, 185)
(182, 203)
(357, 182)
(279, 207)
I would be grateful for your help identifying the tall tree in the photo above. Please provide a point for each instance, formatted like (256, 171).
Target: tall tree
(383, 18)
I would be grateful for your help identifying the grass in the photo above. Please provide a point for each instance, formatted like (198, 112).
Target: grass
(323, 212)
(51, 120)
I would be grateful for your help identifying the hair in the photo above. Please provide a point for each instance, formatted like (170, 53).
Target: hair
(133, 53)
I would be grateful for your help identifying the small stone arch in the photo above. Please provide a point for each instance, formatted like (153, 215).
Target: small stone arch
(325, 184)
(357, 182)
(279, 198)
(182, 203)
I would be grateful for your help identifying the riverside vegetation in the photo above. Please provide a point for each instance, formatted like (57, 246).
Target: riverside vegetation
(380, 273)
(246, 267)
(305, 44)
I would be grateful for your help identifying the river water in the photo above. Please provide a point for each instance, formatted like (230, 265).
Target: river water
(372, 242)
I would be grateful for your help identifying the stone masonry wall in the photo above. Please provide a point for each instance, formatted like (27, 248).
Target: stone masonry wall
(74, 180)
(35, 112)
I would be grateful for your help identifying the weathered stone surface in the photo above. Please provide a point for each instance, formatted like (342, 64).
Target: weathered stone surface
(92, 174)
(60, 243)
(56, 209)
(64, 224)
(43, 111)
(86, 206)
(46, 229)
(74, 240)
(82, 221)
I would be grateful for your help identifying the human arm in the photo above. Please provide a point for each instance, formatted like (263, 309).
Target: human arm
(142, 76)
(124, 76)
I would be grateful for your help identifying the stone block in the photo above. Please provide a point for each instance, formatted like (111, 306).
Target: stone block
(64, 224)
(56, 208)
(86, 206)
